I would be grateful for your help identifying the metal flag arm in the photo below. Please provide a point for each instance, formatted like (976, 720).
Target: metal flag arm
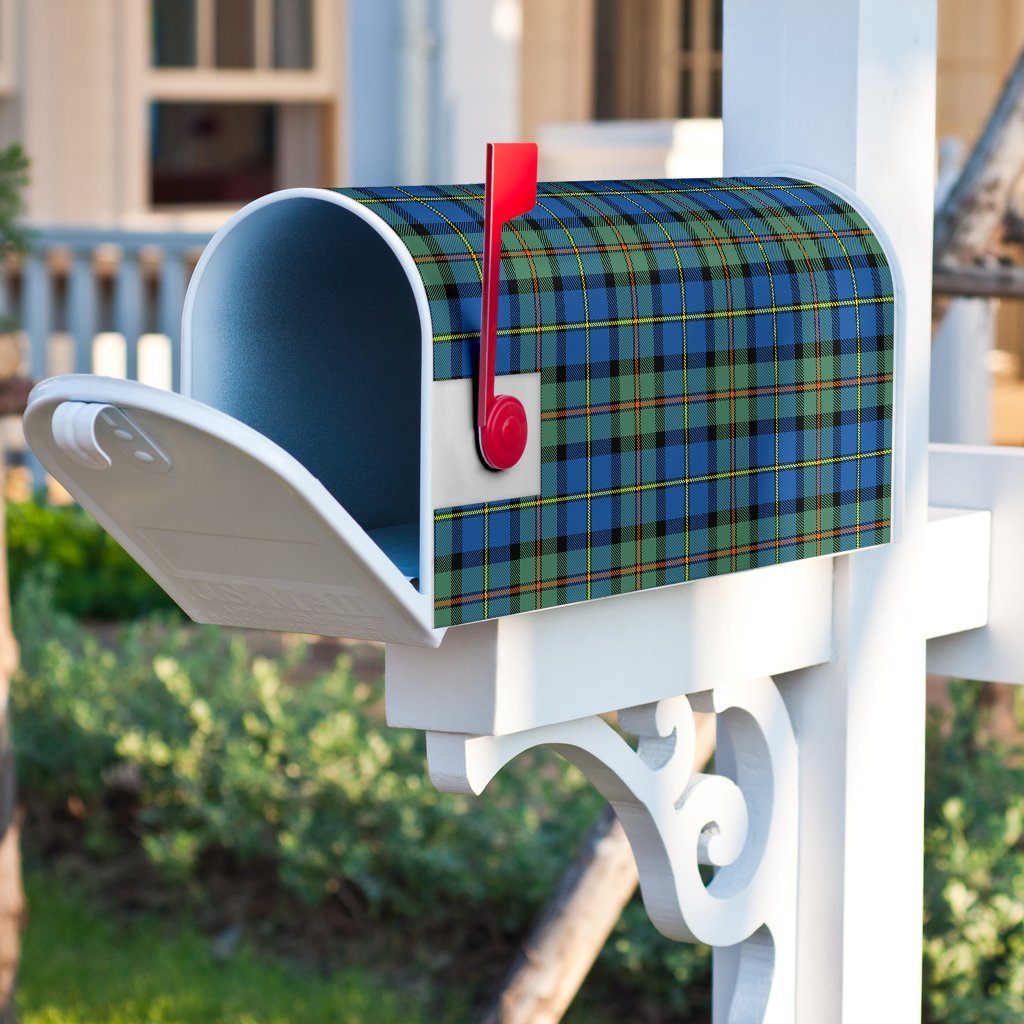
(511, 190)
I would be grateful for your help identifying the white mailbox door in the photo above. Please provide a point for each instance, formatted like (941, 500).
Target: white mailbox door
(231, 526)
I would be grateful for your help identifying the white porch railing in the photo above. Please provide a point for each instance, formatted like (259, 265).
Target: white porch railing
(99, 301)
(102, 301)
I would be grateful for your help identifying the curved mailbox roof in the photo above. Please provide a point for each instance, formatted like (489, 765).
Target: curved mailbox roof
(716, 362)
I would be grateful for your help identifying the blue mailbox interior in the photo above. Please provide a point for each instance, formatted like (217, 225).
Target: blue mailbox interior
(304, 326)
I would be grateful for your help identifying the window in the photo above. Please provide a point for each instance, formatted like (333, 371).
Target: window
(174, 33)
(700, 58)
(212, 152)
(233, 34)
(658, 58)
(242, 96)
(293, 34)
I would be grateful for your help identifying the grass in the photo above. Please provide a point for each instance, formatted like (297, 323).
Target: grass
(79, 968)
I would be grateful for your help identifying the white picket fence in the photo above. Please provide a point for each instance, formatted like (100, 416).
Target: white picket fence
(102, 301)
(99, 301)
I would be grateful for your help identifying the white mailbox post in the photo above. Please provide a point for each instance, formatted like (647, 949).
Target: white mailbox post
(850, 87)
(388, 527)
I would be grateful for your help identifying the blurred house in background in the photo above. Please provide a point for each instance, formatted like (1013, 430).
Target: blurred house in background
(163, 113)
(168, 112)
(150, 121)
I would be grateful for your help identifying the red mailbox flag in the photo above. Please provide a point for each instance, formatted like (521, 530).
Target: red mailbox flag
(511, 191)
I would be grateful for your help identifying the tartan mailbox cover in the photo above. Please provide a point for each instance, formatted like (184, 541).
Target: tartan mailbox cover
(706, 365)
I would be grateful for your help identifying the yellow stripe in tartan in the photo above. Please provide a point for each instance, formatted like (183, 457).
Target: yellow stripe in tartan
(610, 192)
(685, 395)
(775, 360)
(406, 196)
(487, 550)
(658, 485)
(526, 251)
(775, 351)
(675, 318)
(676, 191)
(586, 329)
(856, 309)
(668, 401)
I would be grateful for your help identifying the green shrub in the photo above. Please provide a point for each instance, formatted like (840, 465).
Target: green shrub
(226, 755)
(663, 974)
(80, 967)
(90, 573)
(974, 869)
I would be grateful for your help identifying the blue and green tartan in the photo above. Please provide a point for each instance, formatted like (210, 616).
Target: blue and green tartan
(716, 360)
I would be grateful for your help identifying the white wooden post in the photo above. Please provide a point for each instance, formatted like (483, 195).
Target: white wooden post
(961, 391)
(849, 89)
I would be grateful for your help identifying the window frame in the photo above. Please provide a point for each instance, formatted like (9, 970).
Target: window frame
(262, 83)
(144, 85)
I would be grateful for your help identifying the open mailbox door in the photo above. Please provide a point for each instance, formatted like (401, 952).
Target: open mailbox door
(234, 528)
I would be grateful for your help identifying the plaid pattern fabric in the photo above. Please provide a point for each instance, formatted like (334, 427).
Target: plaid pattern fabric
(716, 360)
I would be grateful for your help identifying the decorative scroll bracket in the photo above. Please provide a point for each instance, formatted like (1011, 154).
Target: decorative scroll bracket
(743, 822)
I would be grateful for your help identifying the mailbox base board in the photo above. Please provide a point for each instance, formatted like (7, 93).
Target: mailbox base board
(503, 676)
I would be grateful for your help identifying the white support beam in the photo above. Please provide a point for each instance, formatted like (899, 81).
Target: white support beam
(848, 89)
(956, 590)
(961, 382)
(992, 479)
(525, 671)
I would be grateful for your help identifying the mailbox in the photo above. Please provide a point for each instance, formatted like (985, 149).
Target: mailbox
(703, 370)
